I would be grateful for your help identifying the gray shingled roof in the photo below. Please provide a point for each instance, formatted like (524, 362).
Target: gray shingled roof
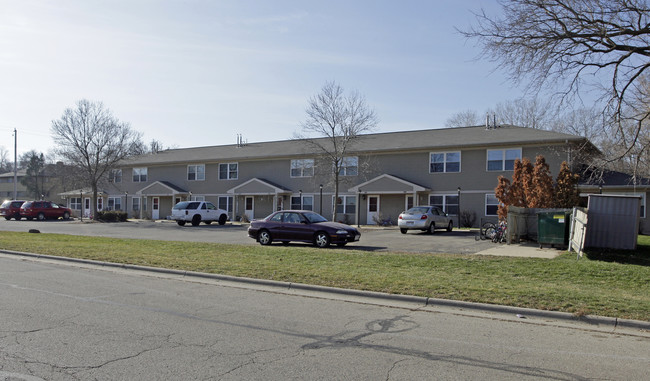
(382, 142)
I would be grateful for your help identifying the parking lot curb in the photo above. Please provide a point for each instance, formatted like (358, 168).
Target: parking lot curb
(418, 300)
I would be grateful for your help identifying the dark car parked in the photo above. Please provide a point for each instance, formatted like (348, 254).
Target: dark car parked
(42, 210)
(302, 226)
(11, 209)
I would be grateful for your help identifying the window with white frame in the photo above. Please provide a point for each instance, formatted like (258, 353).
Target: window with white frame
(409, 202)
(75, 203)
(197, 198)
(442, 162)
(135, 204)
(304, 202)
(302, 168)
(502, 159)
(345, 204)
(139, 175)
(100, 203)
(196, 172)
(349, 166)
(228, 171)
(225, 203)
(446, 202)
(114, 203)
(115, 176)
(491, 205)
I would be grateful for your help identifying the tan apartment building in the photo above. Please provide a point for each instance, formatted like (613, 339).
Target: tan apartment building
(384, 174)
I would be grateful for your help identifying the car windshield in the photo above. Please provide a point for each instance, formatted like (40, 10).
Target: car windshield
(187, 205)
(5, 204)
(315, 217)
(418, 210)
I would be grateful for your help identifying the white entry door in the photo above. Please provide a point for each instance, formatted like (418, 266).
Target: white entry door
(87, 208)
(373, 209)
(249, 206)
(155, 208)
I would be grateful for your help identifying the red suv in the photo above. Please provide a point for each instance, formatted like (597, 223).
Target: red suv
(42, 210)
(11, 209)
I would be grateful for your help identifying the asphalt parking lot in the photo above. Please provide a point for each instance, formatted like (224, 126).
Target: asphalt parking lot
(372, 238)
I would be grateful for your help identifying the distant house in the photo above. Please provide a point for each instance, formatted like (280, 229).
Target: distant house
(49, 186)
(386, 173)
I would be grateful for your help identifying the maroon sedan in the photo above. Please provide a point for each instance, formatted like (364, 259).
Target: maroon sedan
(42, 210)
(302, 226)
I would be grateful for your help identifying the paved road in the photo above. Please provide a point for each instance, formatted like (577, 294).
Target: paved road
(375, 239)
(63, 322)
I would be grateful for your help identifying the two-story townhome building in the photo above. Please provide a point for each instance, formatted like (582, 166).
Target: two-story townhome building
(384, 174)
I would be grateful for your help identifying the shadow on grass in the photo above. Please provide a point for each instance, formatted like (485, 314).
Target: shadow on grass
(640, 256)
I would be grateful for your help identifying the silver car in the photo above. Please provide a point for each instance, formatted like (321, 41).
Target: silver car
(425, 218)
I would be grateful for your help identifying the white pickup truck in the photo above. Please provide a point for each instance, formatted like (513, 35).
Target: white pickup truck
(197, 212)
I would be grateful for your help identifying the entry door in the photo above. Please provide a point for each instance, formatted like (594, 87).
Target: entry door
(87, 208)
(373, 209)
(155, 208)
(249, 206)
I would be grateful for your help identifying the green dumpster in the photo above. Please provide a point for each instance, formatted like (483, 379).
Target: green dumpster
(553, 228)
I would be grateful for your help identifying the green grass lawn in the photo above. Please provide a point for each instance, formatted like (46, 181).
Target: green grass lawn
(615, 284)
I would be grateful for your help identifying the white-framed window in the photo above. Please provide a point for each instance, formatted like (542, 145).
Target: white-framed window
(196, 172)
(228, 171)
(349, 166)
(225, 203)
(446, 202)
(502, 159)
(304, 202)
(491, 205)
(115, 176)
(442, 162)
(114, 203)
(75, 203)
(100, 203)
(197, 198)
(302, 168)
(139, 174)
(345, 204)
(135, 204)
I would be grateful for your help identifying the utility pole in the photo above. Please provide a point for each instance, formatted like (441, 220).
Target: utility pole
(15, 164)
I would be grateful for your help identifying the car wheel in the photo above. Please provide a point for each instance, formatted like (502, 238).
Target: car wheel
(450, 227)
(7, 218)
(264, 237)
(403, 231)
(17, 217)
(66, 216)
(432, 228)
(180, 223)
(285, 243)
(207, 222)
(40, 217)
(29, 218)
(321, 239)
(222, 219)
(196, 220)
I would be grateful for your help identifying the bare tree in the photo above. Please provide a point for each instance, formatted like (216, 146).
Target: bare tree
(532, 113)
(599, 44)
(90, 137)
(464, 118)
(335, 122)
(5, 164)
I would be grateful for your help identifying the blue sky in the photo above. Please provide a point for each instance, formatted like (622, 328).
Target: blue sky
(199, 72)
